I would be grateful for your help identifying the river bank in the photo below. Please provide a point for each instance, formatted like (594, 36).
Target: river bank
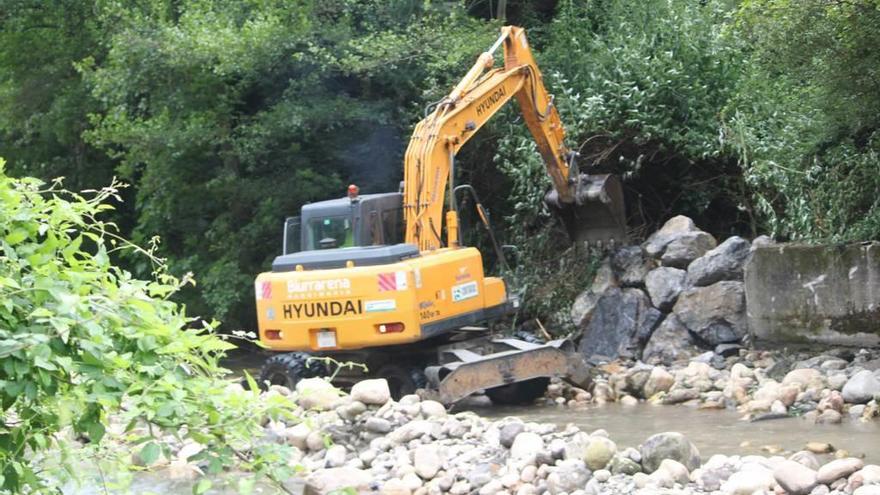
(416, 446)
(629, 432)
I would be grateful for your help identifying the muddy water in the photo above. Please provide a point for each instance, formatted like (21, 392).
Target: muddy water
(713, 431)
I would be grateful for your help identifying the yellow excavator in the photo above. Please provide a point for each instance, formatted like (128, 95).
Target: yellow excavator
(372, 279)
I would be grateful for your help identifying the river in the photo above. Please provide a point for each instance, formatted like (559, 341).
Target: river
(712, 431)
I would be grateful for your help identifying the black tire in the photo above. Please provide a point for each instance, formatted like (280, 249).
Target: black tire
(288, 369)
(402, 380)
(519, 393)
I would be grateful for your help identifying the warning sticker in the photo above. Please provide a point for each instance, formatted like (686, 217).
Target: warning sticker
(264, 290)
(464, 291)
(392, 281)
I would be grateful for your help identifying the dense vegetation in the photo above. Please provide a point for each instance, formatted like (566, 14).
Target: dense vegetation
(757, 116)
(83, 341)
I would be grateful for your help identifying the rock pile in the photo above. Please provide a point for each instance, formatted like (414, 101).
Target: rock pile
(824, 388)
(367, 442)
(677, 293)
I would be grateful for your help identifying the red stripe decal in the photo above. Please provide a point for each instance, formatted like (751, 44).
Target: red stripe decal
(387, 282)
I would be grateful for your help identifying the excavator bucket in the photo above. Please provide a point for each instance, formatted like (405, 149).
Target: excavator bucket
(598, 216)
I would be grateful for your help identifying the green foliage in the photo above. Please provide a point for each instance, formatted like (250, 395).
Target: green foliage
(806, 122)
(82, 341)
(231, 115)
(226, 116)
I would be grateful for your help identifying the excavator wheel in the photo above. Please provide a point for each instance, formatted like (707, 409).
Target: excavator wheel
(402, 379)
(519, 393)
(289, 368)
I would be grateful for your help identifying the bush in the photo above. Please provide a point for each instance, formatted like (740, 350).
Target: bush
(83, 341)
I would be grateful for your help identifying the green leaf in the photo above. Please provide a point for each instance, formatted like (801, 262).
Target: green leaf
(16, 236)
(202, 486)
(150, 453)
(96, 431)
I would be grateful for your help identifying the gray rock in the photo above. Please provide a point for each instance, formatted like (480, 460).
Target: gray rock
(861, 388)
(761, 241)
(433, 409)
(755, 478)
(374, 391)
(479, 475)
(621, 324)
(335, 456)
(624, 465)
(838, 469)
(659, 380)
(679, 395)
(674, 228)
(669, 445)
(686, 248)
(325, 481)
(585, 303)
(727, 350)
(794, 477)
(715, 314)
(669, 343)
(377, 425)
(820, 490)
(527, 445)
(636, 377)
(568, 476)
(725, 262)
(427, 461)
(631, 266)
(507, 433)
(317, 393)
(806, 458)
(599, 452)
(664, 284)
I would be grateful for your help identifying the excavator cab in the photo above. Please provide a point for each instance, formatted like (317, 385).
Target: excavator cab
(353, 221)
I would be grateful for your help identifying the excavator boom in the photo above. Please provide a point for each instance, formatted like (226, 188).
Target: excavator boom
(429, 168)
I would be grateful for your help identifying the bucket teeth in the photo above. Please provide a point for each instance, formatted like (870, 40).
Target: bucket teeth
(597, 217)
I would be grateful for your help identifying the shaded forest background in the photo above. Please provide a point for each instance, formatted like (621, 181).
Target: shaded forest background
(752, 116)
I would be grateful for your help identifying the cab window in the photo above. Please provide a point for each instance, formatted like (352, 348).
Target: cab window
(338, 229)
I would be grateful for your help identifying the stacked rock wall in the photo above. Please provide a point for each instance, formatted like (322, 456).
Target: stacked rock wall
(664, 300)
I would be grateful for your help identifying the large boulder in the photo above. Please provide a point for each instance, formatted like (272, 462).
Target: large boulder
(620, 325)
(664, 284)
(725, 262)
(715, 314)
(686, 248)
(861, 388)
(668, 445)
(674, 228)
(669, 343)
(585, 303)
(631, 266)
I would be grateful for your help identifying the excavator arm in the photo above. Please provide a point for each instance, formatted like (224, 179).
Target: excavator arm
(485, 89)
